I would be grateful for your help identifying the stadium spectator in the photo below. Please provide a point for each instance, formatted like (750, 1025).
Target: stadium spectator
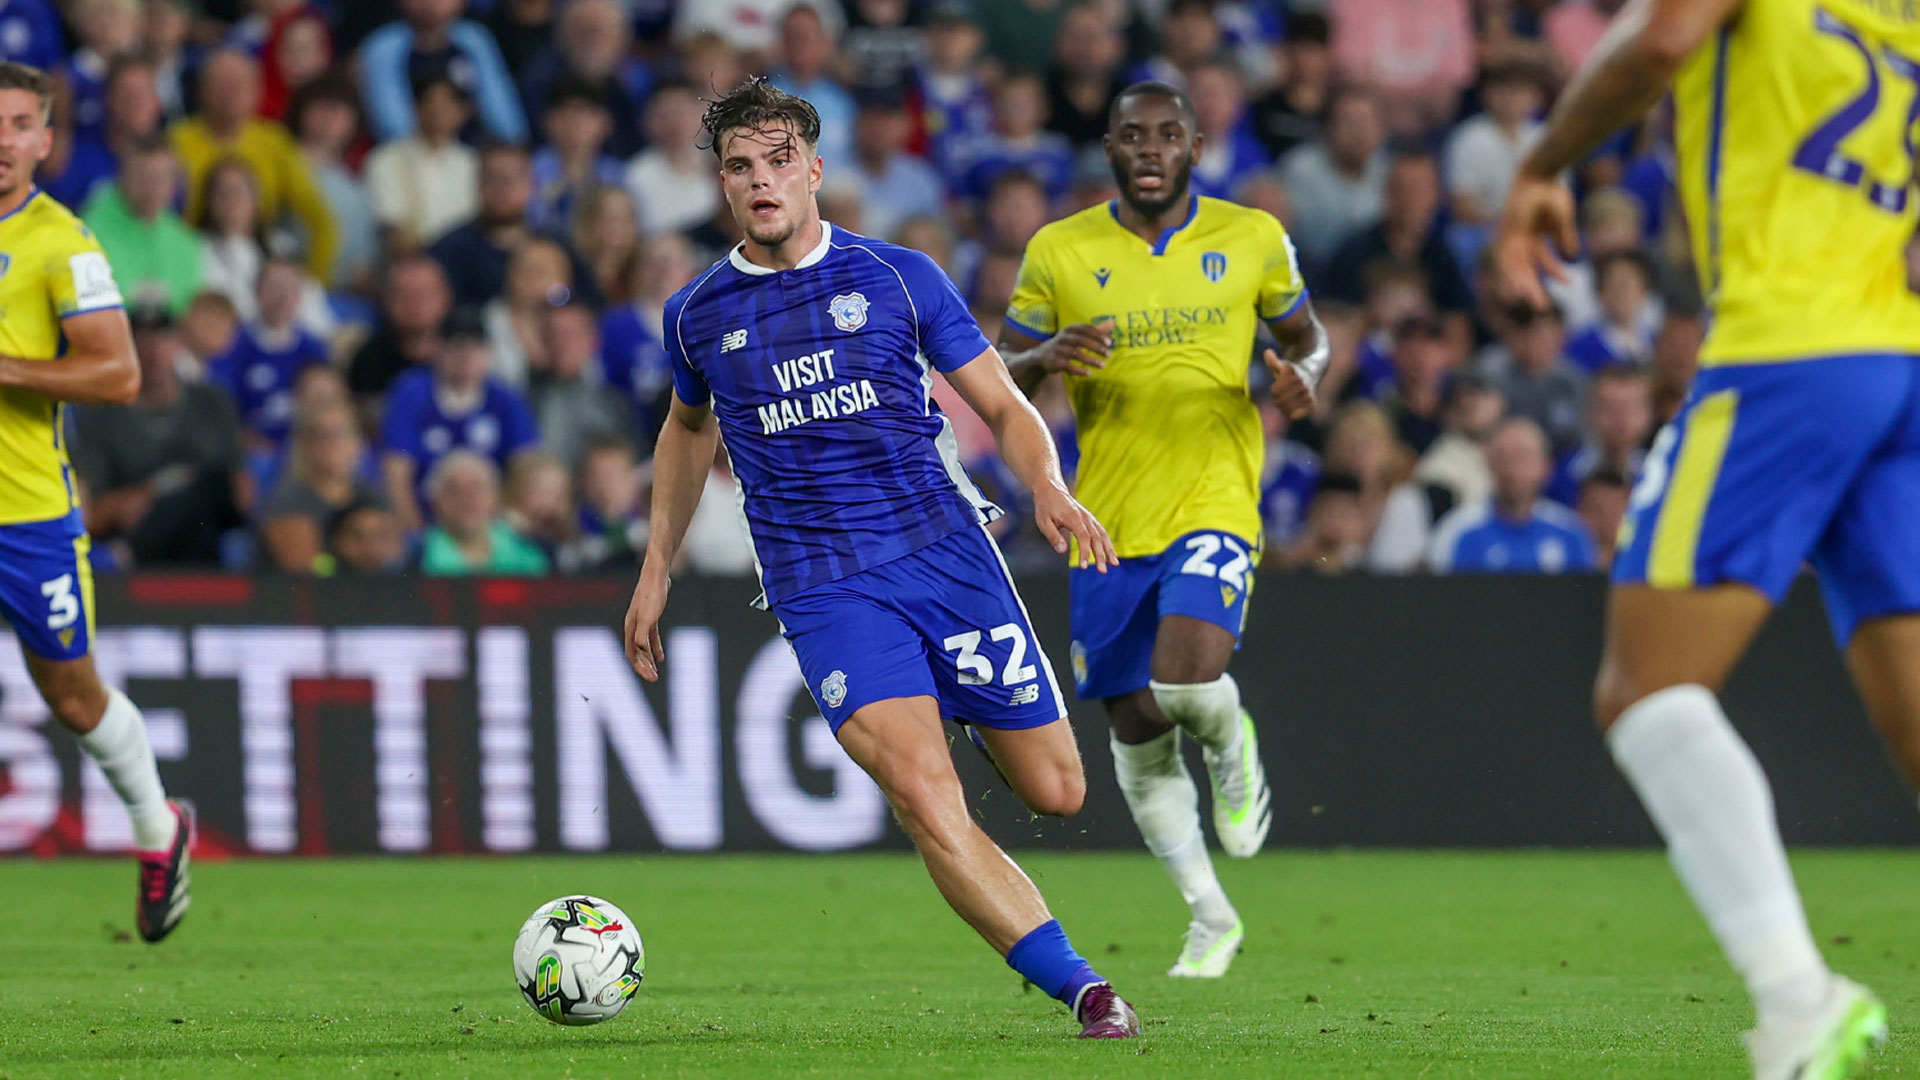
(1574, 27)
(632, 346)
(1338, 182)
(1394, 294)
(1189, 36)
(959, 107)
(1085, 75)
(467, 536)
(1619, 423)
(1536, 379)
(806, 60)
(1423, 358)
(453, 405)
(592, 47)
(1293, 111)
(575, 159)
(523, 29)
(267, 358)
(931, 236)
(612, 503)
(226, 127)
(475, 254)
(298, 50)
(749, 27)
(606, 235)
(1515, 530)
(540, 507)
(207, 329)
(425, 184)
(1456, 463)
(1483, 153)
(1016, 208)
(1334, 538)
(1602, 505)
(1019, 33)
(706, 61)
(673, 181)
(155, 256)
(232, 250)
(1676, 357)
(1419, 54)
(1019, 142)
(325, 120)
(414, 301)
(1289, 475)
(324, 477)
(365, 539)
(163, 476)
(1233, 153)
(132, 117)
(165, 40)
(30, 33)
(894, 185)
(571, 401)
(431, 37)
(1625, 331)
(1361, 444)
(715, 543)
(1408, 235)
(104, 29)
(881, 46)
(539, 278)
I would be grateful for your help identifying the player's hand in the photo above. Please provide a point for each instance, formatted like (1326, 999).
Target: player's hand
(1060, 517)
(1080, 349)
(1537, 233)
(1291, 390)
(644, 650)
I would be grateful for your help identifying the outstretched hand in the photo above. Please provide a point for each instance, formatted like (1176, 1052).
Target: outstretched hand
(1061, 518)
(1537, 233)
(644, 650)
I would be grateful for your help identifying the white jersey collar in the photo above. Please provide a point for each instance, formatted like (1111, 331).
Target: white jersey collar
(741, 263)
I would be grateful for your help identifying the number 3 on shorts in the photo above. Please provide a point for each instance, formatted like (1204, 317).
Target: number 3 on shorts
(977, 670)
(63, 607)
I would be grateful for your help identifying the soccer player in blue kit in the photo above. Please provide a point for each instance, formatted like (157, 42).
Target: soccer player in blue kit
(813, 351)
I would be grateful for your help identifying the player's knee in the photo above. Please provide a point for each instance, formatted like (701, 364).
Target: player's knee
(76, 707)
(1615, 690)
(1060, 794)
(920, 795)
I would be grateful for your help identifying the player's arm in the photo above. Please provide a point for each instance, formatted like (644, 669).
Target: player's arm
(1302, 361)
(1027, 447)
(1628, 72)
(99, 367)
(1079, 349)
(681, 460)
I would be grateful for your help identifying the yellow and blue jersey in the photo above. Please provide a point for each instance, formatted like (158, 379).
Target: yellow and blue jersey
(1795, 135)
(51, 268)
(1170, 440)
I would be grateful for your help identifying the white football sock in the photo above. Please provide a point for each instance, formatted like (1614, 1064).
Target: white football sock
(1166, 806)
(1709, 799)
(1209, 711)
(118, 744)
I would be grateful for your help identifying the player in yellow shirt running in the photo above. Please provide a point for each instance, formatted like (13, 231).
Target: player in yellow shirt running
(1148, 306)
(64, 338)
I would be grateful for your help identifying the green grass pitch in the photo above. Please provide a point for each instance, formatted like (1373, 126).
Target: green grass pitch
(1359, 964)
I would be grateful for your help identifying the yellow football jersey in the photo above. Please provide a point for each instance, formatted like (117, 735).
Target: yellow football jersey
(1795, 132)
(1170, 440)
(51, 267)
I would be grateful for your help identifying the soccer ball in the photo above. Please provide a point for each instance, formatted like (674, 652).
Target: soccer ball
(578, 960)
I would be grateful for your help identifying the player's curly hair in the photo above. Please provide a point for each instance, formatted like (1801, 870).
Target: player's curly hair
(761, 107)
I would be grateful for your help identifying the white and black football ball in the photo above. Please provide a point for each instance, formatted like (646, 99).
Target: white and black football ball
(578, 960)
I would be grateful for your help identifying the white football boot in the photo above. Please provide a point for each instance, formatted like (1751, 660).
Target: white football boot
(1830, 1043)
(1242, 802)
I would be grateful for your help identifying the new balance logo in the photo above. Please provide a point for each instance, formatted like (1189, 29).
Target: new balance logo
(1101, 275)
(1026, 695)
(735, 340)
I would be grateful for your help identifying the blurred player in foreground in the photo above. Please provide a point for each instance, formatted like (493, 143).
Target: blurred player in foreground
(1799, 441)
(815, 349)
(64, 338)
(1148, 306)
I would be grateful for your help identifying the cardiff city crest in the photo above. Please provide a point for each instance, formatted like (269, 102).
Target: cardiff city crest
(849, 311)
(833, 689)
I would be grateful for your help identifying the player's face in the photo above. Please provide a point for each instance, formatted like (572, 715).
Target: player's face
(770, 178)
(1152, 147)
(25, 139)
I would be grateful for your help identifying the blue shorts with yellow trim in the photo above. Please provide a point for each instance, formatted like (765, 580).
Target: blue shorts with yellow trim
(46, 586)
(1770, 466)
(1206, 574)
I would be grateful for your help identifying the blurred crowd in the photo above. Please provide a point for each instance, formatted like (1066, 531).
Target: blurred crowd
(396, 270)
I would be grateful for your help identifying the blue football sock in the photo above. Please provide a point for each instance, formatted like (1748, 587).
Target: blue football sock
(1046, 959)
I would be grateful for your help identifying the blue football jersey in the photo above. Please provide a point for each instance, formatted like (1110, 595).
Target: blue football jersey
(821, 377)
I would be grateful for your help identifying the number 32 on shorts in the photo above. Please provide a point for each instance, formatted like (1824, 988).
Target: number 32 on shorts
(977, 670)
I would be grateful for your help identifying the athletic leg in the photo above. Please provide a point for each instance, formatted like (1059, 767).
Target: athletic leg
(1192, 688)
(1041, 764)
(899, 742)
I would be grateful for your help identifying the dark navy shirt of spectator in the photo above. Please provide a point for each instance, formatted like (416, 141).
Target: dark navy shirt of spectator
(416, 423)
(30, 33)
(1048, 156)
(821, 377)
(259, 373)
(1476, 540)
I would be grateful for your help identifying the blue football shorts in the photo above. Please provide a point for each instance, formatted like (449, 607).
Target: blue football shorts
(1770, 466)
(943, 622)
(46, 586)
(1206, 574)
